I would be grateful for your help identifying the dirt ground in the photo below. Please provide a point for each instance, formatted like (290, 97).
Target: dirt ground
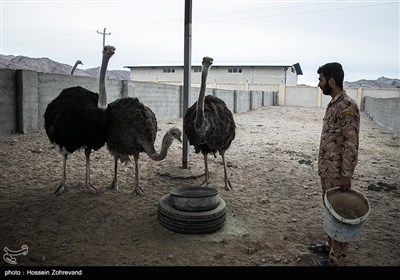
(274, 211)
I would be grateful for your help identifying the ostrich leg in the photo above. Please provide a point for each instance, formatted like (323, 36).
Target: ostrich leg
(228, 185)
(87, 179)
(207, 175)
(137, 189)
(114, 184)
(61, 187)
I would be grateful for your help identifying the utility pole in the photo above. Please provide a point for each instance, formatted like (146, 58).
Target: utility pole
(187, 80)
(104, 36)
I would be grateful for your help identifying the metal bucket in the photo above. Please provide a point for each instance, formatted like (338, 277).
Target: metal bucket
(345, 213)
(194, 199)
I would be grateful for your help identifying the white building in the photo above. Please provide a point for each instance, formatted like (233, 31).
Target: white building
(223, 76)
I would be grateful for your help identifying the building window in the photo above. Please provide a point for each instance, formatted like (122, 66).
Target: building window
(197, 69)
(168, 70)
(234, 70)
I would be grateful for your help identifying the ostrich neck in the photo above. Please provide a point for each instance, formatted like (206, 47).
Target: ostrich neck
(200, 101)
(166, 143)
(73, 69)
(102, 84)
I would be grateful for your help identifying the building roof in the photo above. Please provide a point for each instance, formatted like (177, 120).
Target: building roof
(296, 65)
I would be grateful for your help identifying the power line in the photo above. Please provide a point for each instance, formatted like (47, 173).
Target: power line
(104, 36)
(230, 16)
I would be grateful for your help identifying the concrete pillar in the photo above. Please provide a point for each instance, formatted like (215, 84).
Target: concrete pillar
(281, 95)
(124, 88)
(275, 98)
(359, 98)
(214, 92)
(8, 102)
(235, 97)
(27, 101)
(263, 98)
(251, 95)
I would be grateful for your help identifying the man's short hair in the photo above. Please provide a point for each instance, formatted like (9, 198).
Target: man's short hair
(333, 70)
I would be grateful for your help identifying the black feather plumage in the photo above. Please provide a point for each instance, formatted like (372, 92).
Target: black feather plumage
(73, 120)
(129, 123)
(131, 130)
(209, 125)
(221, 126)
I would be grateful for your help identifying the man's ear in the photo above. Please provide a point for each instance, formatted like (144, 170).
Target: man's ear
(331, 82)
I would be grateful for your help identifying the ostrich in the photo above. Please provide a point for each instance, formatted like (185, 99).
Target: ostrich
(76, 119)
(76, 65)
(209, 125)
(132, 129)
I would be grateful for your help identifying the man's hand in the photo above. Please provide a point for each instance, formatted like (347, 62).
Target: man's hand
(345, 183)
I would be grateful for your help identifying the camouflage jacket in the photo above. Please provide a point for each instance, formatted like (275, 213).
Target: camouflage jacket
(338, 151)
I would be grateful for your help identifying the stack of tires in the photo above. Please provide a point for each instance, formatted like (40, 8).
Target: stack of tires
(186, 220)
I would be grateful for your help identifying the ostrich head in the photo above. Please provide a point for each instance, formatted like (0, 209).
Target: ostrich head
(207, 61)
(175, 133)
(79, 62)
(170, 135)
(108, 51)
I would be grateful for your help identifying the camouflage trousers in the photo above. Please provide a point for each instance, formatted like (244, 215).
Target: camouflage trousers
(338, 250)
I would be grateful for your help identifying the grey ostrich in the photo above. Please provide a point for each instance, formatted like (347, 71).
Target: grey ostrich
(209, 125)
(132, 129)
(76, 65)
(75, 119)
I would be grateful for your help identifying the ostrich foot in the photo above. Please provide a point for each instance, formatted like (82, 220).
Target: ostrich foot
(228, 185)
(138, 191)
(204, 184)
(91, 189)
(113, 186)
(60, 190)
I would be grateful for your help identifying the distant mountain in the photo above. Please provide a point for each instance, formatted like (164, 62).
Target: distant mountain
(49, 66)
(381, 82)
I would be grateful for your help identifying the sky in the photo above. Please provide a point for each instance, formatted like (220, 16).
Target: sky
(364, 36)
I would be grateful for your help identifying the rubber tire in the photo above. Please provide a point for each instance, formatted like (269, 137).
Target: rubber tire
(190, 222)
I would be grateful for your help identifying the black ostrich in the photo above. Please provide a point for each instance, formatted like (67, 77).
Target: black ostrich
(209, 125)
(132, 129)
(76, 65)
(76, 119)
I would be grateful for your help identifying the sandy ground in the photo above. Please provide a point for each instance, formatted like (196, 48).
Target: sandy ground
(273, 212)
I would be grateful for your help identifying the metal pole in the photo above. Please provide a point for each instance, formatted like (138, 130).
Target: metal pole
(187, 81)
(104, 36)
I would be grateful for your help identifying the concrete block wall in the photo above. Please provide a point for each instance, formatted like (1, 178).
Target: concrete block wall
(8, 102)
(25, 94)
(256, 99)
(164, 100)
(384, 111)
(270, 98)
(241, 101)
(226, 96)
(301, 96)
(27, 101)
(381, 93)
(194, 94)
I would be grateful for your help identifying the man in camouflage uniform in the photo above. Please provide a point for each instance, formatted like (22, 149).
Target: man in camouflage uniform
(338, 152)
